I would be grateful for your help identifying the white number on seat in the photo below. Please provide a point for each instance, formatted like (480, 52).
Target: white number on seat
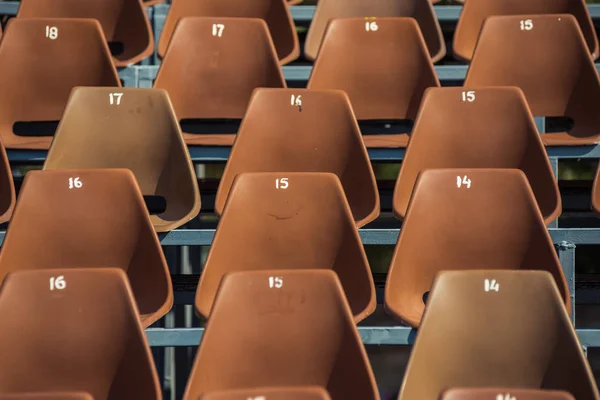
(51, 32)
(505, 397)
(371, 26)
(464, 181)
(275, 282)
(217, 30)
(491, 285)
(526, 25)
(468, 96)
(75, 183)
(58, 283)
(296, 100)
(282, 183)
(115, 98)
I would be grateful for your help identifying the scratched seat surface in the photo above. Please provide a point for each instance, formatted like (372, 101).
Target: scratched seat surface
(547, 57)
(282, 393)
(74, 330)
(421, 10)
(505, 394)
(293, 327)
(135, 129)
(286, 130)
(448, 226)
(389, 88)
(41, 60)
(204, 75)
(274, 12)
(89, 219)
(124, 22)
(505, 329)
(474, 14)
(288, 221)
(488, 127)
(47, 396)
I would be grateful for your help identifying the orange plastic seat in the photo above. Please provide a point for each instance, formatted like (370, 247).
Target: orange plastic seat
(205, 75)
(547, 57)
(89, 219)
(284, 393)
(474, 14)
(290, 220)
(506, 329)
(505, 393)
(124, 22)
(462, 219)
(421, 10)
(47, 396)
(148, 3)
(286, 130)
(74, 330)
(385, 71)
(135, 129)
(37, 72)
(293, 327)
(274, 12)
(596, 192)
(7, 187)
(482, 128)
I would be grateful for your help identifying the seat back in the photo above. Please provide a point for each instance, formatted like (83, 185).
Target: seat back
(282, 393)
(505, 393)
(47, 396)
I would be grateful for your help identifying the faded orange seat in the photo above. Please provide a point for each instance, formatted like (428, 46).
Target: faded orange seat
(7, 187)
(149, 3)
(274, 12)
(474, 14)
(482, 128)
(47, 396)
(505, 393)
(89, 219)
(204, 76)
(505, 329)
(289, 220)
(596, 192)
(74, 330)
(462, 219)
(293, 327)
(551, 63)
(37, 72)
(135, 129)
(286, 130)
(282, 393)
(124, 22)
(389, 88)
(421, 10)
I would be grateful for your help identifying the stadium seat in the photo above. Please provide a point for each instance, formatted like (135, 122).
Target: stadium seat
(369, 13)
(596, 192)
(398, 48)
(461, 219)
(135, 129)
(504, 329)
(74, 330)
(283, 393)
(288, 221)
(47, 395)
(547, 57)
(474, 14)
(124, 23)
(505, 394)
(292, 327)
(41, 60)
(482, 128)
(89, 219)
(274, 12)
(205, 78)
(7, 187)
(286, 130)
(149, 3)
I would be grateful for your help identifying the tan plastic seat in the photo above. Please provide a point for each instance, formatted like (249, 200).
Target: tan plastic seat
(463, 219)
(124, 22)
(47, 396)
(293, 327)
(74, 330)
(37, 72)
(385, 71)
(421, 10)
(205, 77)
(596, 192)
(149, 3)
(135, 129)
(481, 128)
(290, 220)
(550, 62)
(89, 219)
(283, 393)
(505, 329)
(274, 12)
(277, 135)
(7, 187)
(505, 393)
(474, 13)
